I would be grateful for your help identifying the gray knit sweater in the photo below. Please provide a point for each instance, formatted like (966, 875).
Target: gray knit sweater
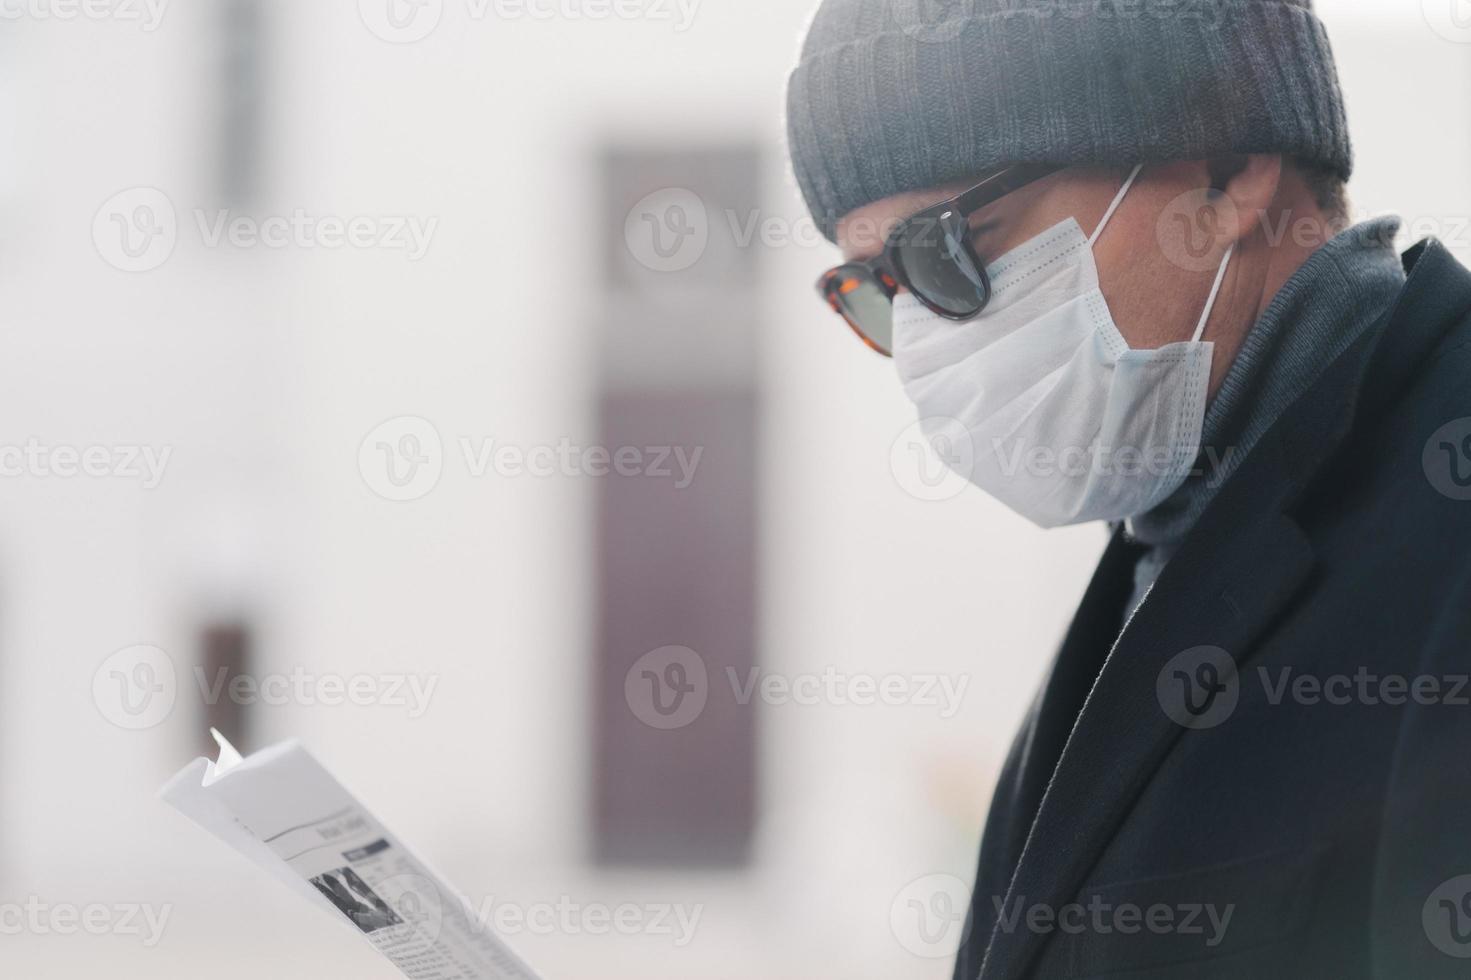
(1340, 291)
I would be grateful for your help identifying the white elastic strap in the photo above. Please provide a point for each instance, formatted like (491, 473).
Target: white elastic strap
(1210, 303)
(1118, 199)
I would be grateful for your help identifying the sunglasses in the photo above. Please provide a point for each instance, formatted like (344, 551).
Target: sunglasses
(931, 254)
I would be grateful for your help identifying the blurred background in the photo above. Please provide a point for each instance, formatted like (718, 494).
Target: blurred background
(441, 383)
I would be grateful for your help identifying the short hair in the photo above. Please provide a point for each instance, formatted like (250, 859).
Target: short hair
(1329, 189)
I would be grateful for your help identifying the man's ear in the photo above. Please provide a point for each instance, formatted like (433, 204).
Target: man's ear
(1247, 184)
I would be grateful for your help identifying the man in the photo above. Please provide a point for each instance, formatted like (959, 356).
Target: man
(1105, 244)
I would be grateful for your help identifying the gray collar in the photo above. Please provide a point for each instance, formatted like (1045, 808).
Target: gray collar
(1338, 293)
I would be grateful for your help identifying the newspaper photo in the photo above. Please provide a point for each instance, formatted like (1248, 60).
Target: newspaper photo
(285, 812)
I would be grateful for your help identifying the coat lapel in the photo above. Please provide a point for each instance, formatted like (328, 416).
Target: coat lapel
(1124, 732)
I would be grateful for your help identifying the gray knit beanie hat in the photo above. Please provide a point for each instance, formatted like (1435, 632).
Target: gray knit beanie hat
(899, 95)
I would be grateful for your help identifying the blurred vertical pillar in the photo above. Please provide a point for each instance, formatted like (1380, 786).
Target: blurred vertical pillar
(224, 656)
(675, 752)
(242, 42)
(229, 526)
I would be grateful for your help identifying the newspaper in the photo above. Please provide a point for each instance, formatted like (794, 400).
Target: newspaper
(285, 812)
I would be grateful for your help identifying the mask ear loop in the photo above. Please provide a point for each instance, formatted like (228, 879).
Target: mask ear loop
(1210, 303)
(1118, 199)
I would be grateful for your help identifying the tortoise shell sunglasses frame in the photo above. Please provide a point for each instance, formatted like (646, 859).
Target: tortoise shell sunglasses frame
(887, 271)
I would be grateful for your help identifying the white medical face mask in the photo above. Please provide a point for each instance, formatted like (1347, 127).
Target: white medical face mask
(1064, 422)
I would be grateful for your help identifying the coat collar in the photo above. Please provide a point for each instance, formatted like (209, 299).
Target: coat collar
(1244, 561)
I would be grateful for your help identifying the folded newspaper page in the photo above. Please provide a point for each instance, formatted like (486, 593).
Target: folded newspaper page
(284, 811)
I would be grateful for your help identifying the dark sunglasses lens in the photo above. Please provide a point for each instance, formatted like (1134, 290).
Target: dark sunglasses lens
(939, 265)
(866, 306)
